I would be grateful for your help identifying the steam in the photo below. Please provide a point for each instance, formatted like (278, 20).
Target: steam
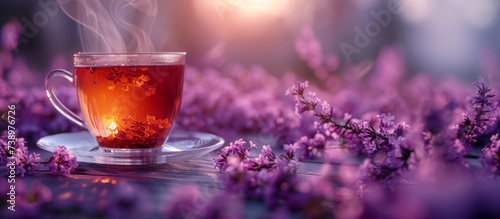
(113, 25)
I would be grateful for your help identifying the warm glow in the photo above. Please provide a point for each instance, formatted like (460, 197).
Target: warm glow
(261, 7)
(242, 12)
(104, 181)
(112, 127)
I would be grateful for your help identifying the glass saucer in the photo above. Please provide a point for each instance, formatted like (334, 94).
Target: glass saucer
(179, 146)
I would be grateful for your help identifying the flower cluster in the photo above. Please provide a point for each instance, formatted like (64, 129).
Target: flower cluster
(62, 162)
(394, 157)
(369, 121)
(39, 117)
(268, 177)
(389, 146)
(491, 156)
(482, 114)
(236, 156)
(376, 137)
(24, 163)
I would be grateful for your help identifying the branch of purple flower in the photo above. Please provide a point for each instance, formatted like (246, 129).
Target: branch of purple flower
(347, 129)
(359, 137)
(62, 162)
(379, 135)
(483, 113)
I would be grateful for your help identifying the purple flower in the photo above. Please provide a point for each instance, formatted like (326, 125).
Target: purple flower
(290, 150)
(4, 151)
(369, 137)
(39, 116)
(298, 89)
(386, 171)
(235, 152)
(237, 156)
(482, 114)
(62, 161)
(258, 177)
(31, 163)
(311, 147)
(268, 152)
(24, 163)
(276, 186)
(491, 156)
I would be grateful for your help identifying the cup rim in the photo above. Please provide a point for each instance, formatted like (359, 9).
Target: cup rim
(126, 53)
(86, 59)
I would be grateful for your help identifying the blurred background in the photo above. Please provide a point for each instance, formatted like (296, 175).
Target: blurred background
(438, 37)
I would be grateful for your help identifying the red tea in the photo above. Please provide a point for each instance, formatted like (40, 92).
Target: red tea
(130, 106)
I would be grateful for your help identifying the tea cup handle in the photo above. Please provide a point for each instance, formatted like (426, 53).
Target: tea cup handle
(55, 101)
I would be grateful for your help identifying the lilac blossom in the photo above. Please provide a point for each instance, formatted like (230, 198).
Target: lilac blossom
(482, 114)
(4, 152)
(289, 154)
(375, 134)
(24, 163)
(380, 139)
(272, 178)
(388, 146)
(267, 176)
(237, 156)
(235, 150)
(39, 117)
(491, 156)
(44, 118)
(62, 161)
(311, 147)
(277, 186)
